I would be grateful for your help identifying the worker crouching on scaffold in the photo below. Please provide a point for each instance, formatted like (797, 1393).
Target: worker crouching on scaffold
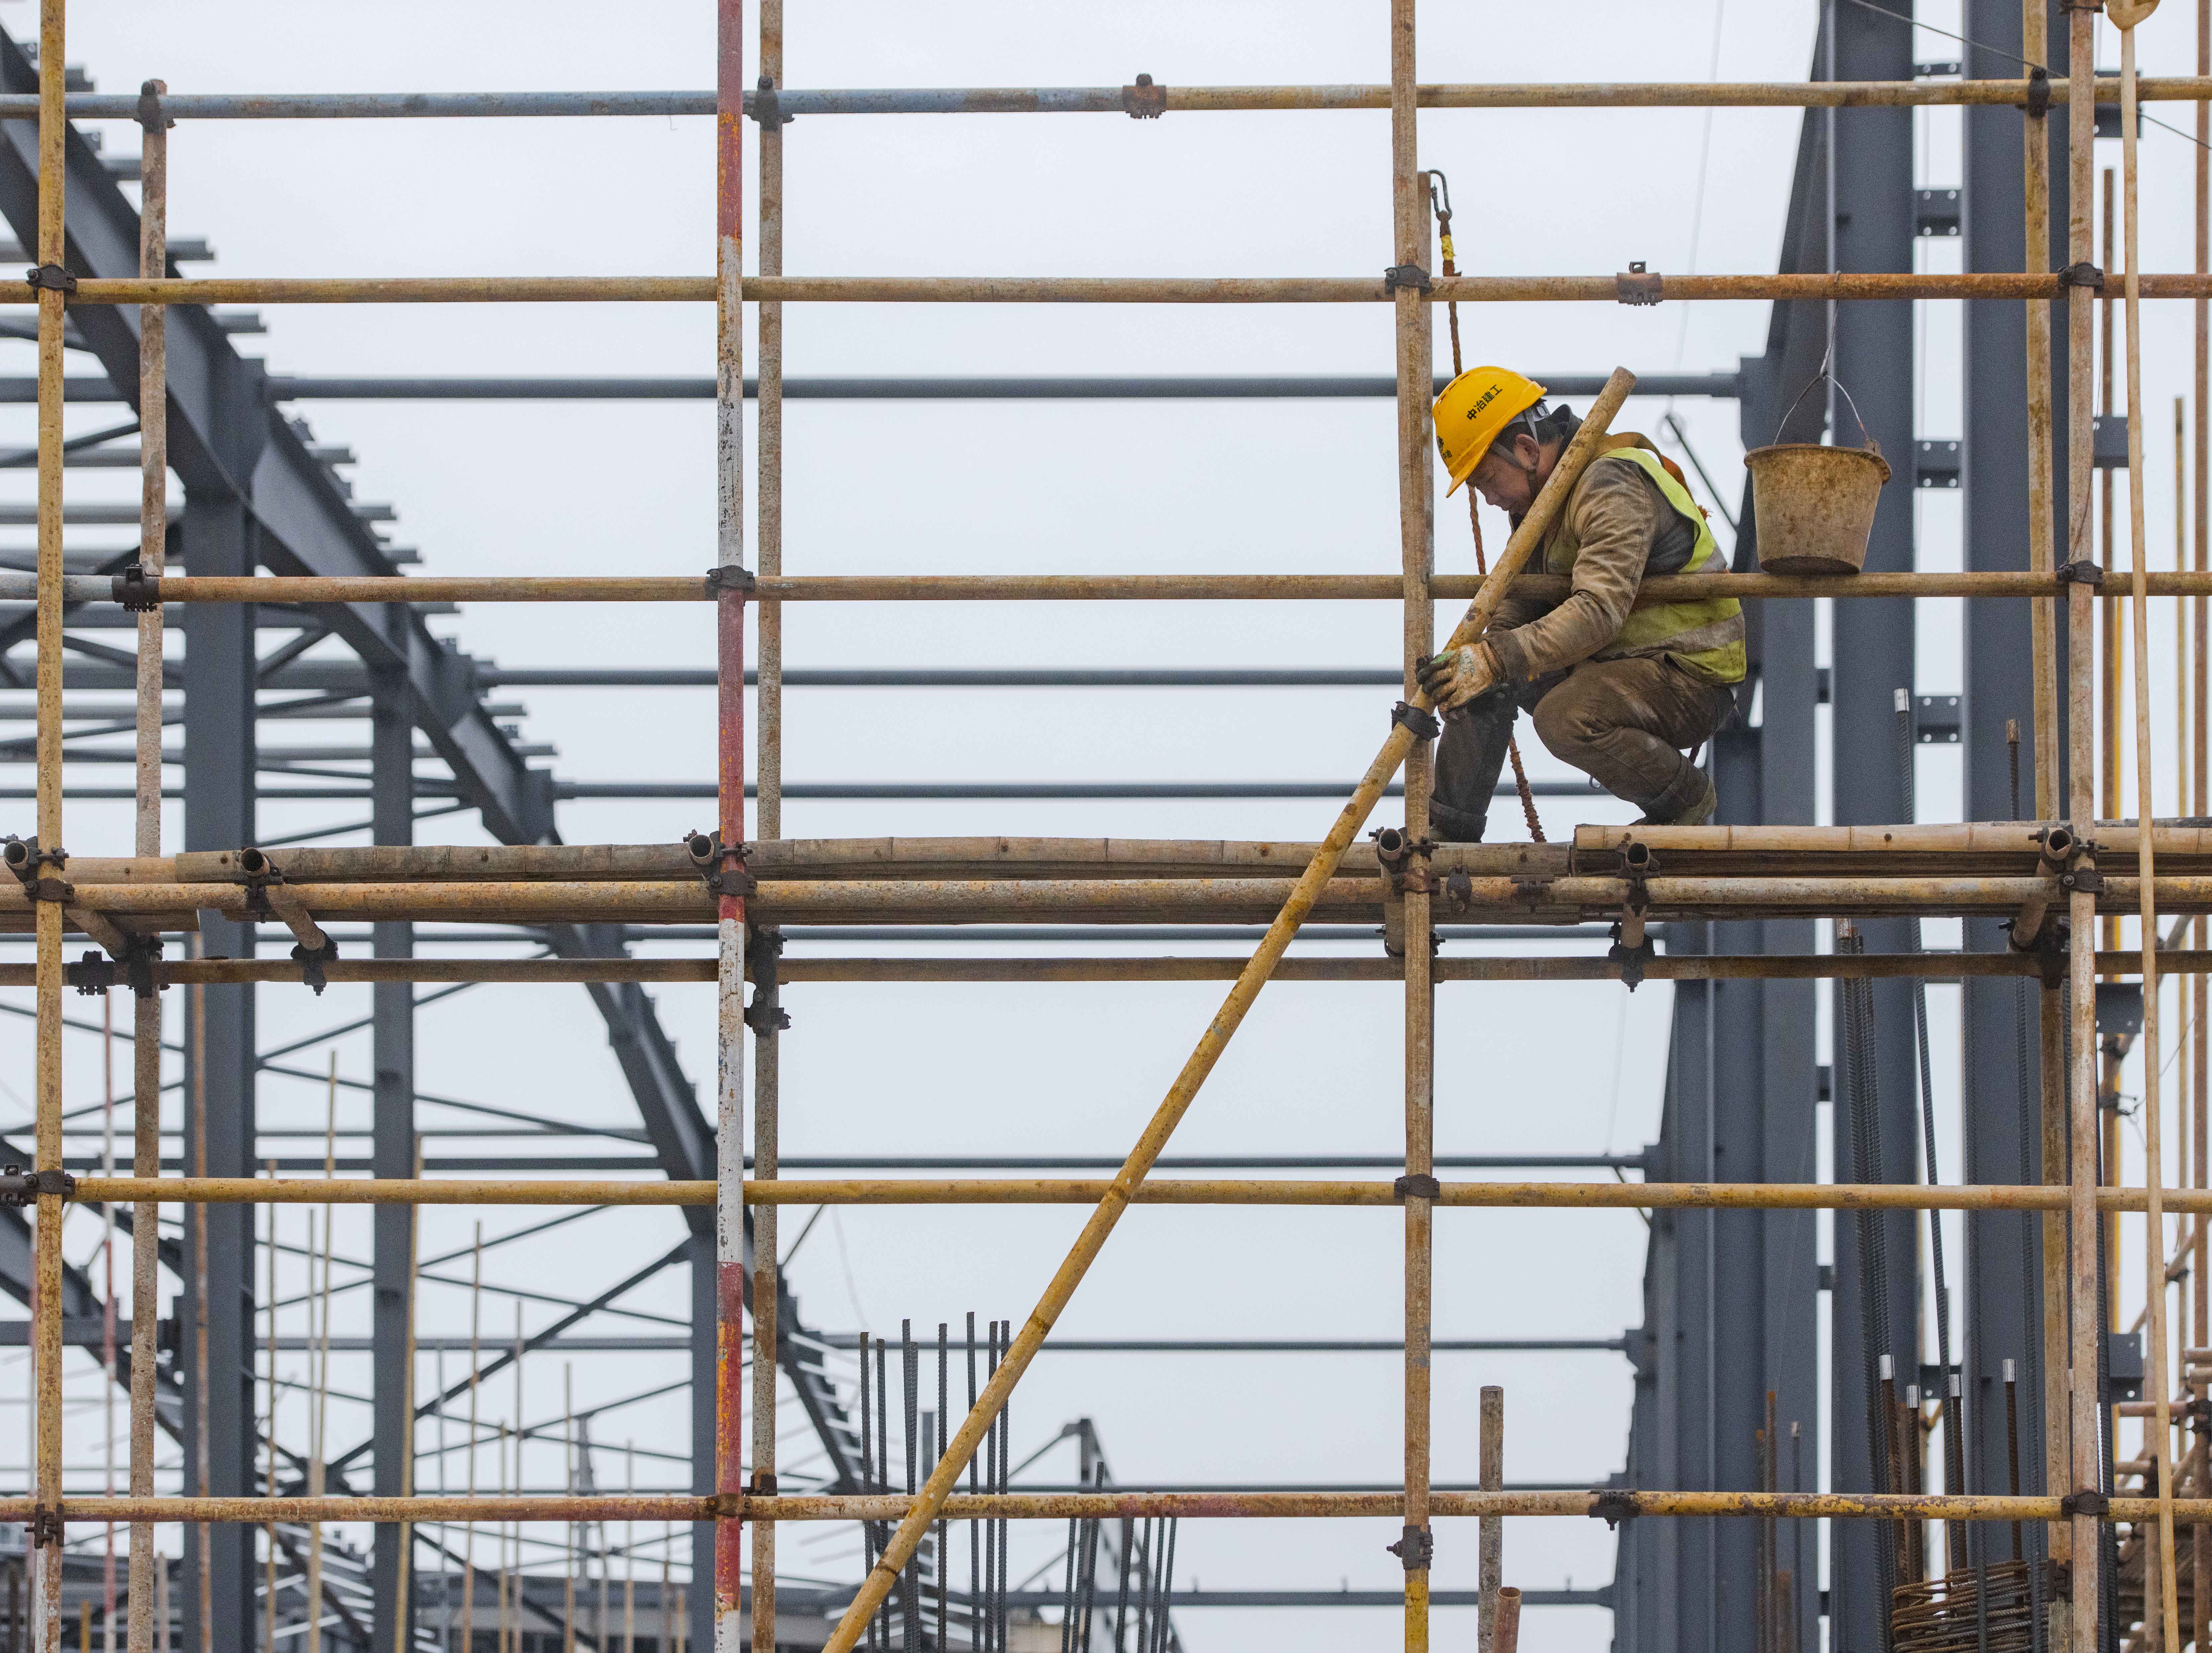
(1624, 693)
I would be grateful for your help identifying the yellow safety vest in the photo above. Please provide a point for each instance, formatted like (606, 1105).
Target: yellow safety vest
(1705, 636)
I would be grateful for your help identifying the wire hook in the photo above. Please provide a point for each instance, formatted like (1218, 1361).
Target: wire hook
(1439, 193)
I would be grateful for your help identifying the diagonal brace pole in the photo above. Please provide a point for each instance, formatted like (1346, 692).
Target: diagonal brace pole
(940, 1485)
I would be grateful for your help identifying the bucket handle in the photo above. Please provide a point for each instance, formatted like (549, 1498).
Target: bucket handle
(1865, 441)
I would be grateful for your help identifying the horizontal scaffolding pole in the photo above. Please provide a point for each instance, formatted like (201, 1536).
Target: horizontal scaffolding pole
(1087, 387)
(1172, 1191)
(1607, 1503)
(309, 589)
(1642, 287)
(1674, 967)
(1099, 100)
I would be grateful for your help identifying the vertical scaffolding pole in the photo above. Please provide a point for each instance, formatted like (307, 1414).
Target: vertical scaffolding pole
(1416, 376)
(146, 1005)
(730, 775)
(769, 409)
(46, 1290)
(2083, 1259)
(2200, 991)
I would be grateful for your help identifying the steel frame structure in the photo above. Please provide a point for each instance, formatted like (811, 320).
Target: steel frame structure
(257, 498)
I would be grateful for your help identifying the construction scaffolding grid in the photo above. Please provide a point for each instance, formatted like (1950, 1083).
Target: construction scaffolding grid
(2063, 867)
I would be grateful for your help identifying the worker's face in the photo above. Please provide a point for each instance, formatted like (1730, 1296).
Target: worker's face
(1506, 476)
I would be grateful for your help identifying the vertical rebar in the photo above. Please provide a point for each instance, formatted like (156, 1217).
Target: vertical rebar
(909, 1435)
(730, 750)
(476, 1370)
(46, 1300)
(2084, 1272)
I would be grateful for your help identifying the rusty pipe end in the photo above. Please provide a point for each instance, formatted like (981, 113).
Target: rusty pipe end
(1390, 845)
(701, 846)
(1505, 1631)
(2058, 844)
(252, 862)
(1636, 856)
(19, 853)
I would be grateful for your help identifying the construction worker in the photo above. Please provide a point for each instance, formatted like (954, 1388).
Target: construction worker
(1623, 692)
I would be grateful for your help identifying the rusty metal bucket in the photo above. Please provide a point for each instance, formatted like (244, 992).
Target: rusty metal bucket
(1814, 505)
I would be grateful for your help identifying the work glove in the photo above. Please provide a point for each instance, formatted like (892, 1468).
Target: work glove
(1458, 675)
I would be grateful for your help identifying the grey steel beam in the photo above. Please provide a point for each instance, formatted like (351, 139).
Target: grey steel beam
(1868, 187)
(2001, 1073)
(393, 1049)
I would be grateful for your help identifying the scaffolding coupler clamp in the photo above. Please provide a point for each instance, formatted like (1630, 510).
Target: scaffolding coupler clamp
(1410, 277)
(1422, 725)
(45, 1526)
(150, 114)
(1459, 889)
(93, 974)
(50, 278)
(767, 107)
(727, 577)
(1418, 1184)
(24, 858)
(311, 961)
(721, 866)
(2079, 872)
(1631, 947)
(1638, 285)
(2082, 274)
(766, 1014)
(1416, 1548)
(2083, 573)
(2086, 1502)
(2038, 91)
(136, 590)
(1144, 100)
(19, 1187)
(1612, 1504)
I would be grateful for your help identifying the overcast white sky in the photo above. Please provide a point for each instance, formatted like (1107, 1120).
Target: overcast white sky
(602, 488)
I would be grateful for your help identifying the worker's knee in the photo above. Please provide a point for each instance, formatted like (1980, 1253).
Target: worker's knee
(1570, 720)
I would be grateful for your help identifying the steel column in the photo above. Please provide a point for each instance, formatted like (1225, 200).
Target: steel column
(393, 1012)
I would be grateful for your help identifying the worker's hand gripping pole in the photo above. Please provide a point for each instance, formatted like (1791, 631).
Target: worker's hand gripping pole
(961, 1447)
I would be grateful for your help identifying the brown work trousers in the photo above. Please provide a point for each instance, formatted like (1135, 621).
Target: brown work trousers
(1627, 724)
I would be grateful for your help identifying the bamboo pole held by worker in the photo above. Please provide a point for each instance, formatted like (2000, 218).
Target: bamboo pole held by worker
(901, 1546)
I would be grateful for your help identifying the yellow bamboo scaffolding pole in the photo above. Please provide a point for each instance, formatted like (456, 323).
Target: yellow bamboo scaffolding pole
(2127, 14)
(476, 1375)
(2201, 752)
(1416, 373)
(901, 1545)
(1877, 286)
(45, 1535)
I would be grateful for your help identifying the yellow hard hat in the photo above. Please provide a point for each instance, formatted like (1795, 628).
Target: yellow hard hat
(1473, 409)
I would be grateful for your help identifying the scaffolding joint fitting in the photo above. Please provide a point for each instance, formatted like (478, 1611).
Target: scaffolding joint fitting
(150, 116)
(45, 1526)
(1144, 100)
(93, 974)
(1422, 725)
(1530, 890)
(2083, 573)
(1459, 890)
(1633, 959)
(721, 866)
(726, 1506)
(1637, 285)
(729, 579)
(766, 107)
(1416, 1548)
(311, 961)
(766, 1014)
(24, 858)
(2086, 1502)
(1410, 277)
(136, 591)
(2082, 274)
(50, 278)
(2038, 91)
(1418, 1185)
(1612, 1506)
(19, 1187)
(763, 1484)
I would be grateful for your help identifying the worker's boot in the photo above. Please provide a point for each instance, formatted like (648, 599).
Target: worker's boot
(1689, 801)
